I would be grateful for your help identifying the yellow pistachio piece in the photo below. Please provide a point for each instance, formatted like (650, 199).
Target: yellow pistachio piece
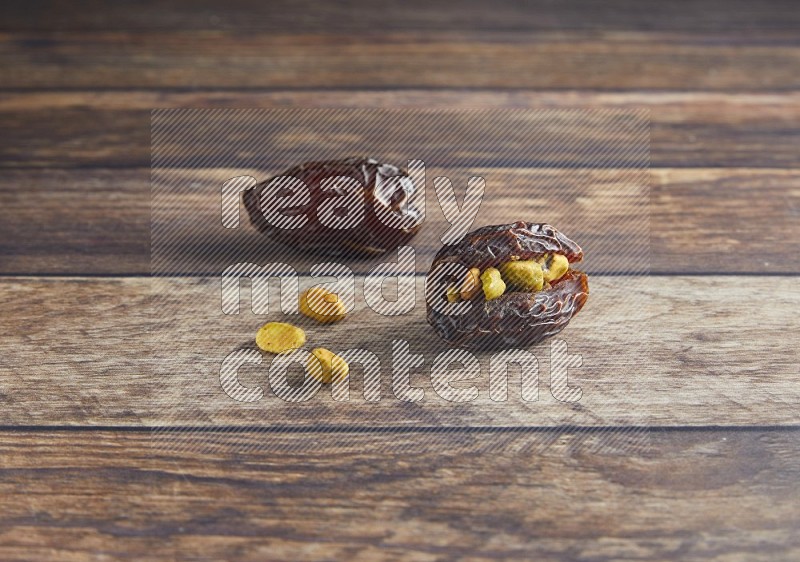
(277, 337)
(471, 285)
(554, 266)
(326, 366)
(322, 305)
(493, 284)
(525, 274)
(453, 294)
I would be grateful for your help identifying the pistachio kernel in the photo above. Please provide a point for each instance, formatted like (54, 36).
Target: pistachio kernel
(453, 294)
(471, 285)
(322, 305)
(493, 284)
(554, 266)
(326, 366)
(525, 274)
(278, 337)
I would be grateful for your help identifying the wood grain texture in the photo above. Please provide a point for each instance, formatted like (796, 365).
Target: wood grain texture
(112, 129)
(613, 60)
(548, 137)
(98, 220)
(692, 496)
(78, 220)
(313, 16)
(662, 351)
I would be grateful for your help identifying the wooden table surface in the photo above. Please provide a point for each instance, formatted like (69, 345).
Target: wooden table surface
(719, 475)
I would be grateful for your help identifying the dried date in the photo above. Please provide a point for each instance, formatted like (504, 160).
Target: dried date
(529, 290)
(349, 206)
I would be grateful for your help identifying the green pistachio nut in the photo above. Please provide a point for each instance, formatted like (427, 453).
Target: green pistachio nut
(525, 274)
(554, 266)
(492, 283)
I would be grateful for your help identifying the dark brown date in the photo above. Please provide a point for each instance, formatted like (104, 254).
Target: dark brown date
(330, 212)
(518, 317)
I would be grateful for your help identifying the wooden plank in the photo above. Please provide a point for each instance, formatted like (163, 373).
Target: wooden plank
(614, 60)
(98, 221)
(310, 16)
(562, 138)
(112, 129)
(57, 221)
(660, 351)
(696, 495)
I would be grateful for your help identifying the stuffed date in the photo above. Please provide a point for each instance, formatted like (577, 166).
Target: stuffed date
(505, 286)
(349, 206)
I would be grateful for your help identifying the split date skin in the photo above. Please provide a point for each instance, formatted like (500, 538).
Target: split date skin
(530, 290)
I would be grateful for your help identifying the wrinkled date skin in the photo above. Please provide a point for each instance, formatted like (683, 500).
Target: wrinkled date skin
(383, 192)
(517, 318)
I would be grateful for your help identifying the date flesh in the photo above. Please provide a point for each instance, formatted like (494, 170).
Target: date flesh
(518, 317)
(383, 219)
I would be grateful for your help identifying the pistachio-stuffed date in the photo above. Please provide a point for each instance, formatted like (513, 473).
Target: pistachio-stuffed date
(349, 206)
(505, 285)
